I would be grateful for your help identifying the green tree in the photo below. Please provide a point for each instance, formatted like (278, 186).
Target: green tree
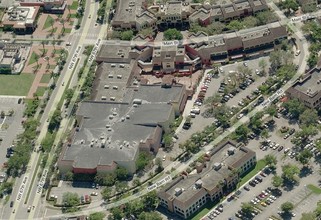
(106, 193)
(121, 173)
(235, 25)
(55, 120)
(97, 216)
(247, 208)
(272, 110)
(134, 208)
(250, 22)
(168, 141)
(270, 160)
(2, 114)
(241, 133)
(136, 182)
(287, 206)
(277, 181)
(172, 34)
(142, 160)
(290, 5)
(127, 35)
(309, 117)
(290, 171)
(317, 211)
(266, 17)
(150, 215)
(70, 199)
(121, 186)
(117, 213)
(305, 156)
(263, 65)
(295, 107)
(146, 32)
(150, 200)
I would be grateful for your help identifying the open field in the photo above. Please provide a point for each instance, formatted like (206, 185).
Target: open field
(16, 84)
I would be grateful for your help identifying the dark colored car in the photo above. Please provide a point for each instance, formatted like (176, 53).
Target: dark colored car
(186, 125)
(11, 204)
(246, 188)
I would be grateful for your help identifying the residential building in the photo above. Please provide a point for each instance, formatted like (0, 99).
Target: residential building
(217, 175)
(13, 57)
(21, 19)
(50, 6)
(307, 89)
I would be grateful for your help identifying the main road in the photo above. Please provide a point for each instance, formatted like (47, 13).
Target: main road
(26, 183)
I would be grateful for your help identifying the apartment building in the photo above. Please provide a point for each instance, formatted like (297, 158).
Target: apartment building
(179, 14)
(243, 44)
(216, 176)
(307, 89)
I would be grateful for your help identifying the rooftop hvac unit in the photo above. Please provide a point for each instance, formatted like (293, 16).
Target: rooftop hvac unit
(127, 117)
(122, 119)
(106, 86)
(82, 141)
(135, 105)
(231, 150)
(119, 76)
(112, 98)
(103, 98)
(114, 113)
(217, 166)
(110, 76)
(111, 117)
(178, 191)
(107, 126)
(109, 129)
(198, 184)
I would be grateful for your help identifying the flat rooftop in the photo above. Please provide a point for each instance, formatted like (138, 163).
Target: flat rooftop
(226, 154)
(310, 85)
(111, 81)
(120, 127)
(127, 10)
(114, 50)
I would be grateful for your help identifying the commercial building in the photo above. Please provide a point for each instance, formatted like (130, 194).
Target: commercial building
(50, 6)
(137, 15)
(21, 19)
(13, 57)
(213, 178)
(124, 116)
(244, 44)
(307, 89)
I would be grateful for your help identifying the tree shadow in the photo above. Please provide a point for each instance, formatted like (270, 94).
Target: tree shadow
(305, 171)
(289, 185)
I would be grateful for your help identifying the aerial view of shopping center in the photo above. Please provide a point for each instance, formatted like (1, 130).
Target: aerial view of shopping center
(160, 109)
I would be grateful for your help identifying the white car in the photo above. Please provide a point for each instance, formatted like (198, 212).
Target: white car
(297, 53)
(245, 64)
(240, 116)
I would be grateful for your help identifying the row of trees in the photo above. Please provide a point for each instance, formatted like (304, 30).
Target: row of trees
(312, 30)
(142, 209)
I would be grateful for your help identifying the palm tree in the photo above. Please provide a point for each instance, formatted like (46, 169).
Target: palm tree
(51, 22)
(43, 47)
(62, 21)
(53, 44)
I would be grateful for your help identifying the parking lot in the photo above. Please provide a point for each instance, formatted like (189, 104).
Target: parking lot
(10, 125)
(302, 198)
(80, 188)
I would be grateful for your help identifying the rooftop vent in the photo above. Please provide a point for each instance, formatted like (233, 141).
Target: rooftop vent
(217, 166)
(127, 116)
(178, 191)
(198, 184)
(231, 150)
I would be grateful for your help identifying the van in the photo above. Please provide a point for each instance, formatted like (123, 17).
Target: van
(195, 111)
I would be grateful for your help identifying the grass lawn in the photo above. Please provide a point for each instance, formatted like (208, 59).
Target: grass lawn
(67, 30)
(259, 166)
(204, 210)
(314, 189)
(52, 67)
(74, 5)
(33, 58)
(45, 78)
(16, 84)
(52, 30)
(40, 91)
(47, 23)
(73, 15)
(1, 13)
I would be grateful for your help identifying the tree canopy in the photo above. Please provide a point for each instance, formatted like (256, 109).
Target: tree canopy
(287, 206)
(172, 34)
(290, 171)
(277, 181)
